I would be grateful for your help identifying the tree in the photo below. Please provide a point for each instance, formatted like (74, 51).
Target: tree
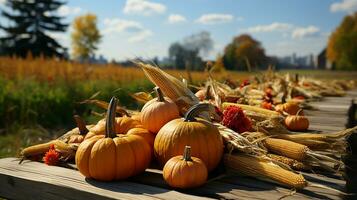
(243, 52)
(342, 45)
(188, 54)
(31, 24)
(85, 36)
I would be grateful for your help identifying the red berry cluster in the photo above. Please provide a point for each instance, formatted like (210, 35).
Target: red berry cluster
(235, 119)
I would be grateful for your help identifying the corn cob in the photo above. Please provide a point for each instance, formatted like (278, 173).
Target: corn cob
(66, 150)
(286, 148)
(294, 164)
(264, 169)
(252, 109)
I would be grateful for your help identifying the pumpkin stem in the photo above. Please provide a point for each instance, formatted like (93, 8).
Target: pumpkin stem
(81, 125)
(187, 153)
(298, 112)
(196, 109)
(160, 96)
(109, 125)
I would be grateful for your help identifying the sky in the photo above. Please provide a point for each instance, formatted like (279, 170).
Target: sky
(146, 28)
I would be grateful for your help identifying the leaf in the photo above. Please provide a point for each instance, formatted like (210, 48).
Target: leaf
(142, 97)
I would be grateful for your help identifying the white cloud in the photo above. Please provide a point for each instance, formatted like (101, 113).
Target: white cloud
(344, 6)
(215, 18)
(175, 18)
(121, 25)
(302, 32)
(66, 10)
(58, 36)
(276, 26)
(240, 19)
(135, 29)
(141, 36)
(143, 7)
(2, 2)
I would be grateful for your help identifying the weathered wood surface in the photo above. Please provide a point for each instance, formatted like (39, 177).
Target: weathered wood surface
(33, 180)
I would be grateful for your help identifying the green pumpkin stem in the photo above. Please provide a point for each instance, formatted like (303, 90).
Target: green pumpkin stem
(196, 109)
(81, 125)
(110, 119)
(160, 96)
(187, 153)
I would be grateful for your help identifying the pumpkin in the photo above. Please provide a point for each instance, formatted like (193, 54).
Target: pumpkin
(122, 126)
(289, 108)
(185, 171)
(77, 135)
(111, 157)
(157, 112)
(149, 137)
(201, 135)
(297, 122)
(136, 117)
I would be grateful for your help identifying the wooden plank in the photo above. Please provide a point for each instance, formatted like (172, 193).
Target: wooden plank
(33, 180)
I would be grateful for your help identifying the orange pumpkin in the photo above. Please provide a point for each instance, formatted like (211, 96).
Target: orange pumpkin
(122, 126)
(185, 171)
(297, 122)
(149, 137)
(136, 117)
(201, 135)
(289, 108)
(77, 134)
(157, 112)
(112, 157)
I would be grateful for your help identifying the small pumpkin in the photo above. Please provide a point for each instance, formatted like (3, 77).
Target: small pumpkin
(157, 112)
(185, 171)
(137, 117)
(142, 132)
(112, 157)
(201, 135)
(289, 108)
(297, 122)
(78, 133)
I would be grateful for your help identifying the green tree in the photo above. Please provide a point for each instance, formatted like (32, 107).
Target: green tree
(85, 36)
(244, 52)
(342, 45)
(30, 25)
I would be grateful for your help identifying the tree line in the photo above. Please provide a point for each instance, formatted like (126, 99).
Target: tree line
(31, 23)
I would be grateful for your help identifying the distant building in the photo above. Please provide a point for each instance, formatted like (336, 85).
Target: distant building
(296, 62)
(322, 62)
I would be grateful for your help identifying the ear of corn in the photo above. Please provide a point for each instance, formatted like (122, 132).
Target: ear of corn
(264, 169)
(293, 164)
(286, 148)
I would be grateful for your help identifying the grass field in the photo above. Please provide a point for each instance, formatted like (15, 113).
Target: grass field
(39, 97)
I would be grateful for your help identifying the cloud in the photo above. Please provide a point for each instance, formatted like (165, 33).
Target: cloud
(2, 2)
(141, 36)
(303, 32)
(215, 18)
(136, 30)
(276, 26)
(240, 19)
(143, 7)
(66, 10)
(344, 6)
(175, 18)
(121, 25)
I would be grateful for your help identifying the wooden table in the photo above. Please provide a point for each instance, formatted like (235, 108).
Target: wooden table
(33, 180)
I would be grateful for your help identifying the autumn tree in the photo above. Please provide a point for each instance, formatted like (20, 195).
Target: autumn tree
(30, 26)
(188, 53)
(243, 53)
(218, 65)
(85, 36)
(342, 45)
